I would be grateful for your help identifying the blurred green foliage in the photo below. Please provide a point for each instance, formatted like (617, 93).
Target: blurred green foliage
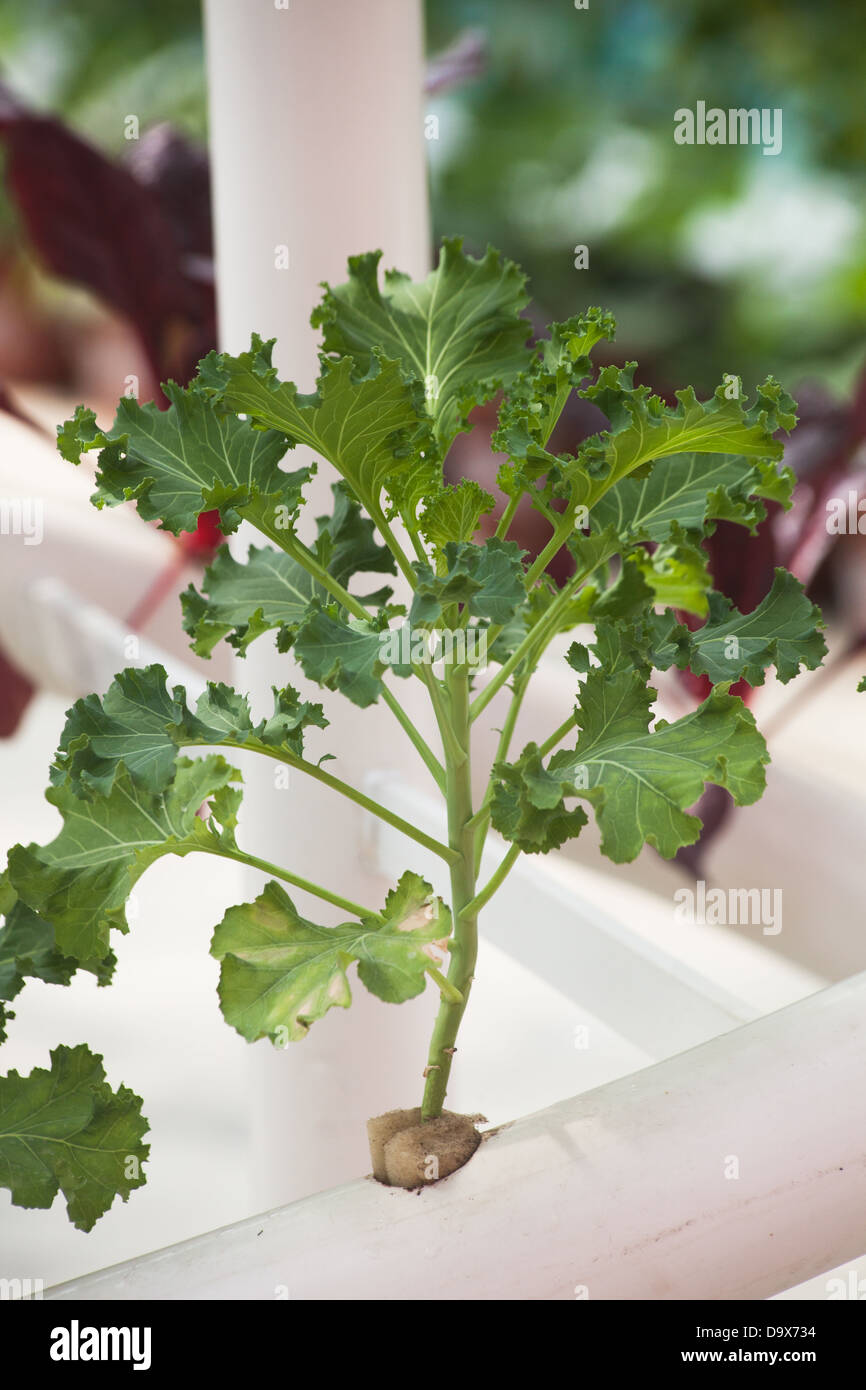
(96, 61)
(713, 258)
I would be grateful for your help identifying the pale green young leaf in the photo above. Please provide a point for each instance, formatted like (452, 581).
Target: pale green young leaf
(280, 972)
(486, 580)
(457, 334)
(676, 573)
(453, 513)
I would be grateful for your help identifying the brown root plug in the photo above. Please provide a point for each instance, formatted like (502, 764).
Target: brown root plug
(410, 1152)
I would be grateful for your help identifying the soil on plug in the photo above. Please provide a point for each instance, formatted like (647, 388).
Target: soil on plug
(410, 1152)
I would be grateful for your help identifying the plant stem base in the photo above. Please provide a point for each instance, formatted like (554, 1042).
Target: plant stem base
(410, 1152)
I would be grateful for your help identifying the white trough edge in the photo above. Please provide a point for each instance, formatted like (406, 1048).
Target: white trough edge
(620, 1193)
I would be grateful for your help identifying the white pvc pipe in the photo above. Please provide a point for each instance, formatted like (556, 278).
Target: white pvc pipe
(317, 147)
(84, 644)
(732, 1171)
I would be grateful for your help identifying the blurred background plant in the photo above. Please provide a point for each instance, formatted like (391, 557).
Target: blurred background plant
(706, 257)
(556, 130)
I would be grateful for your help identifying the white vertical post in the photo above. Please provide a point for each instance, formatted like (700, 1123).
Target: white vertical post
(317, 148)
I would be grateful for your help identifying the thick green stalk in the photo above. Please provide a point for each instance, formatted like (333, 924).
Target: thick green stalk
(464, 942)
(454, 751)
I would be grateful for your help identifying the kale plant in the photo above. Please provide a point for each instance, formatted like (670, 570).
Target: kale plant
(402, 366)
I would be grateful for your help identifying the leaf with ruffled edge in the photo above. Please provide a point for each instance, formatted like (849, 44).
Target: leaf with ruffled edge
(270, 590)
(458, 334)
(537, 397)
(82, 879)
(645, 434)
(485, 580)
(534, 829)
(280, 972)
(784, 631)
(28, 951)
(643, 428)
(372, 427)
(241, 600)
(343, 654)
(346, 542)
(640, 782)
(676, 573)
(141, 723)
(693, 491)
(180, 462)
(678, 503)
(65, 1130)
(453, 513)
